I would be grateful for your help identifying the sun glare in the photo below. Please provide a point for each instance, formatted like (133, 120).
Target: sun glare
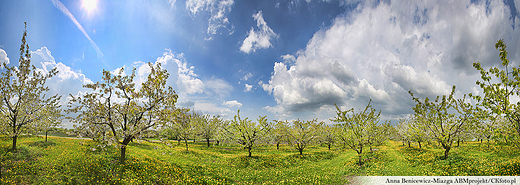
(89, 5)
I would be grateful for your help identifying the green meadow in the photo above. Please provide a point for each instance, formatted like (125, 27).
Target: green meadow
(78, 161)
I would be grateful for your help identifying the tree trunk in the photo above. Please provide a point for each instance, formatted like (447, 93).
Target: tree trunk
(458, 142)
(123, 154)
(370, 148)
(446, 151)
(249, 150)
(277, 146)
(186, 141)
(218, 142)
(409, 144)
(301, 151)
(419, 144)
(15, 137)
(46, 135)
(329, 146)
(179, 141)
(360, 160)
(207, 141)
(488, 143)
(359, 155)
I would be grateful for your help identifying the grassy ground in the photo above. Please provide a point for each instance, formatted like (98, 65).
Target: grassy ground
(73, 161)
(470, 159)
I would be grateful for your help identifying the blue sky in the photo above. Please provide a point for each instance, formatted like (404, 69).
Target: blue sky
(286, 59)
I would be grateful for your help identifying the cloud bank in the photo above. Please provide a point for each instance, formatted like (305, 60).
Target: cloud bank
(380, 51)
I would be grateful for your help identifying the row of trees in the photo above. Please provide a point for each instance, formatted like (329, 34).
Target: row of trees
(117, 110)
(249, 133)
(484, 127)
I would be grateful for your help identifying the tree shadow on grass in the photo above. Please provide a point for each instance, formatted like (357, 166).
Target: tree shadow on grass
(277, 160)
(315, 156)
(143, 145)
(42, 144)
(413, 151)
(226, 150)
(22, 153)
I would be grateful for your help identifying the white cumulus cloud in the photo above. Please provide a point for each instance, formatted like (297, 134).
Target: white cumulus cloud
(182, 75)
(232, 103)
(3, 58)
(259, 38)
(66, 82)
(383, 50)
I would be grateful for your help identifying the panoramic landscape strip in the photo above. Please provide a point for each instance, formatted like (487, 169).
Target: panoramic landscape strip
(259, 92)
(138, 135)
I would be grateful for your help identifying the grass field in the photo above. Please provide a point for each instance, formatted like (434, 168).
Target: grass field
(74, 161)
